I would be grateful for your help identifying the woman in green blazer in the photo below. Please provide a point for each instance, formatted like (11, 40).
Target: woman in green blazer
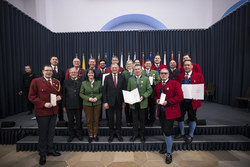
(91, 93)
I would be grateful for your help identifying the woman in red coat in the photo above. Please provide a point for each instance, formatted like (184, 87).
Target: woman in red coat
(169, 109)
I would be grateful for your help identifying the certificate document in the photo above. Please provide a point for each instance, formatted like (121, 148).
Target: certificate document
(53, 99)
(103, 78)
(193, 91)
(162, 98)
(131, 97)
(151, 79)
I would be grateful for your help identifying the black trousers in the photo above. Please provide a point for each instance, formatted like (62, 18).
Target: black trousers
(128, 114)
(115, 110)
(138, 120)
(46, 131)
(186, 107)
(166, 125)
(29, 105)
(60, 111)
(150, 111)
(74, 122)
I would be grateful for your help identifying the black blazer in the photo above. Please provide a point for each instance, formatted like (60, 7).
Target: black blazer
(112, 95)
(71, 90)
(98, 75)
(60, 76)
(173, 75)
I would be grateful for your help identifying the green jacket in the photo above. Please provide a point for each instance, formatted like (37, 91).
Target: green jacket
(126, 75)
(145, 89)
(87, 91)
(151, 73)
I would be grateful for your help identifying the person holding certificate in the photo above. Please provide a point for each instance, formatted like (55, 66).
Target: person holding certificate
(142, 83)
(128, 74)
(154, 79)
(44, 94)
(91, 93)
(189, 106)
(168, 95)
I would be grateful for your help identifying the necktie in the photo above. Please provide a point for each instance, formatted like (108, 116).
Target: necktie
(49, 82)
(186, 76)
(115, 80)
(163, 84)
(55, 70)
(147, 73)
(138, 79)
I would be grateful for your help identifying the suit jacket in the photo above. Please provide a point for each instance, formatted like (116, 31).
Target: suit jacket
(145, 90)
(80, 73)
(71, 90)
(196, 68)
(39, 94)
(112, 94)
(126, 75)
(87, 91)
(108, 70)
(196, 78)
(60, 75)
(158, 69)
(174, 96)
(173, 74)
(151, 73)
(98, 75)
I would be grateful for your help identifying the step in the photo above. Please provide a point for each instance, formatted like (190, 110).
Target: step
(153, 143)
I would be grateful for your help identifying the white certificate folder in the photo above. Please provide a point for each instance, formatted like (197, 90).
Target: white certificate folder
(53, 99)
(131, 97)
(193, 91)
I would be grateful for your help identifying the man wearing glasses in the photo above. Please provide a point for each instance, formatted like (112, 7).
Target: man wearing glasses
(168, 94)
(44, 94)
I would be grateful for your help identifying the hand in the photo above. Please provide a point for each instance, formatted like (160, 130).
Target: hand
(91, 99)
(95, 99)
(194, 99)
(123, 105)
(20, 93)
(48, 105)
(157, 101)
(106, 105)
(58, 98)
(64, 109)
(141, 98)
(165, 103)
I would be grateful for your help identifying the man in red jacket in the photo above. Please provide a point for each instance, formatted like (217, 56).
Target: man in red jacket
(189, 105)
(170, 109)
(196, 67)
(41, 90)
(114, 60)
(157, 64)
(77, 65)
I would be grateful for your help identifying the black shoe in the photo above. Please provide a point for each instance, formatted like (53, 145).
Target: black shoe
(70, 139)
(111, 138)
(42, 160)
(54, 153)
(90, 139)
(142, 139)
(188, 139)
(168, 159)
(80, 138)
(132, 139)
(120, 138)
(179, 136)
(96, 138)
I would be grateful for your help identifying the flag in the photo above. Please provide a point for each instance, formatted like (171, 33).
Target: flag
(179, 60)
(91, 55)
(142, 63)
(165, 58)
(83, 62)
(106, 59)
(172, 55)
(150, 56)
(128, 56)
(121, 62)
(134, 55)
(98, 61)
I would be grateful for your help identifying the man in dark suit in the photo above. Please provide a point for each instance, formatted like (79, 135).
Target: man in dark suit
(173, 71)
(113, 100)
(189, 106)
(72, 104)
(92, 64)
(46, 109)
(58, 74)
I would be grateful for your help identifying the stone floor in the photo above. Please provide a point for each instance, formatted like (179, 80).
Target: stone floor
(10, 158)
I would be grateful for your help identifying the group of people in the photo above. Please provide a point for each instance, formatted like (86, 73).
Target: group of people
(89, 90)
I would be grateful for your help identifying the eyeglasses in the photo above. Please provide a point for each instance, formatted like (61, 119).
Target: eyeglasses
(48, 70)
(164, 73)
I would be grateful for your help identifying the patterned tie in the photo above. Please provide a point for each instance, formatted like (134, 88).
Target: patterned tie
(49, 82)
(147, 73)
(186, 76)
(115, 80)
(55, 70)
(138, 80)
